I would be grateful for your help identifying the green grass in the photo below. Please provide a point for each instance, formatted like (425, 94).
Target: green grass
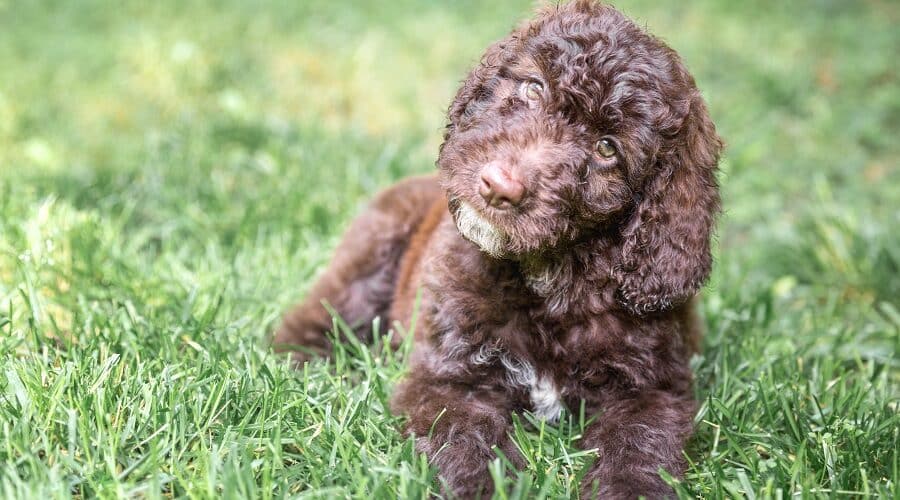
(173, 175)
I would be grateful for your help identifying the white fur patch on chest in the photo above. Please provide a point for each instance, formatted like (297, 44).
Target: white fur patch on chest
(546, 403)
(545, 399)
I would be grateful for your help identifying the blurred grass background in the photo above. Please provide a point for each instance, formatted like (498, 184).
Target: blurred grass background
(173, 174)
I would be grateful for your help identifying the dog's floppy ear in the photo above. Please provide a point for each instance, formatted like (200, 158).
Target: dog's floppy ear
(666, 244)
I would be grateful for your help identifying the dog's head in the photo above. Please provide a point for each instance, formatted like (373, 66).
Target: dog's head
(578, 125)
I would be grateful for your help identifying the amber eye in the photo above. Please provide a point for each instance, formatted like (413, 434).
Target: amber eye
(532, 91)
(606, 148)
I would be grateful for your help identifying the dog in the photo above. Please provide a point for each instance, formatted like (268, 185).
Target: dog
(557, 253)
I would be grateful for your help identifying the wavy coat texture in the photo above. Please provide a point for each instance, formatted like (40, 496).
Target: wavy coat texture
(579, 292)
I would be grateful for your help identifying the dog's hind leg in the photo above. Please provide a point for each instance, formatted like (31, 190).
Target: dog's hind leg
(360, 280)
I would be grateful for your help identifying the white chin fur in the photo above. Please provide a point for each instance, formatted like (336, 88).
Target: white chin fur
(476, 229)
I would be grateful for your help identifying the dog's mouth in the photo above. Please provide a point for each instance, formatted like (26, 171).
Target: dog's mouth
(474, 227)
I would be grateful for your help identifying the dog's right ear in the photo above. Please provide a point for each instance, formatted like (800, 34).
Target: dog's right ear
(474, 83)
(666, 247)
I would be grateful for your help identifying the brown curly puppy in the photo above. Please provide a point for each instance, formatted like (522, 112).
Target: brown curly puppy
(557, 254)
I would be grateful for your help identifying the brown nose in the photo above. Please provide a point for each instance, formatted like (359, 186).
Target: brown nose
(498, 188)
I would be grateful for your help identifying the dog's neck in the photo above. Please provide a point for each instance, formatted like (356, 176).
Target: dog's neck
(580, 269)
(547, 278)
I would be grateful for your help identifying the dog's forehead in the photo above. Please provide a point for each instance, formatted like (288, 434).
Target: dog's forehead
(525, 66)
(552, 46)
(592, 73)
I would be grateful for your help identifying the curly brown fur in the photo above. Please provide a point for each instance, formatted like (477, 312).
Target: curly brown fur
(561, 273)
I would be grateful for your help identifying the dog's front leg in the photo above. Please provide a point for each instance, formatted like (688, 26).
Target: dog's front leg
(636, 435)
(457, 426)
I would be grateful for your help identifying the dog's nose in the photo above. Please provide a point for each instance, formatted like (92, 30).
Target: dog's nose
(498, 188)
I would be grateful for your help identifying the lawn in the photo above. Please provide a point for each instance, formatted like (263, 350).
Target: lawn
(174, 174)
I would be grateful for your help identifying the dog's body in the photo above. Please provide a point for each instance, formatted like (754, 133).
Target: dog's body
(556, 255)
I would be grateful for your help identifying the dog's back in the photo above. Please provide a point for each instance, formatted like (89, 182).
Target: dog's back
(360, 283)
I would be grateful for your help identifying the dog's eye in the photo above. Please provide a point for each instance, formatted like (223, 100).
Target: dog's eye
(605, 148)
(532, 91)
